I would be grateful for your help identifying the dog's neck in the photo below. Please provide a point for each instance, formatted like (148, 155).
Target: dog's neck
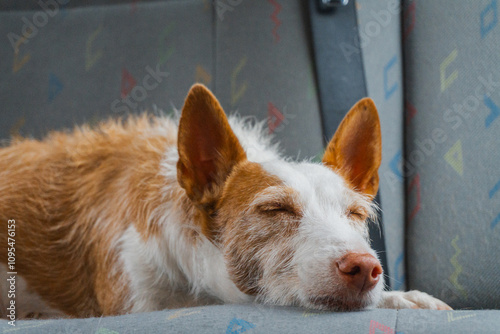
(186, 261)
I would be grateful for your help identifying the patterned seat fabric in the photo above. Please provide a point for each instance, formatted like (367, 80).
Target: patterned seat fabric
(85, 63)
(237, 319)
(452, 73)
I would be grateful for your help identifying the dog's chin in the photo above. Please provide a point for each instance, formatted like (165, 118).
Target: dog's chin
(342, 302)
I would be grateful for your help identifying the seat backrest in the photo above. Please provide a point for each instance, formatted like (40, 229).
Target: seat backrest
(452, 80)
(89, 60)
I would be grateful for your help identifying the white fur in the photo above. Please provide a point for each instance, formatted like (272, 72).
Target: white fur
(326, 234)
(169, 271)
(168, 267)
(410, 299)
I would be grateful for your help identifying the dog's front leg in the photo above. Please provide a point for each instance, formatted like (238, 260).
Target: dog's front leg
(411, 299)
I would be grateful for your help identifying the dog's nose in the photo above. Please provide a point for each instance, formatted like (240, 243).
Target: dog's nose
(360, 272)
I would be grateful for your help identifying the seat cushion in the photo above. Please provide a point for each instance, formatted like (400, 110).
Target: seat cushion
(262, 319)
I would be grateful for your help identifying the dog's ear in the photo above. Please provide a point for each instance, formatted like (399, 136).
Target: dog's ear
(355, 151)
(208, 147)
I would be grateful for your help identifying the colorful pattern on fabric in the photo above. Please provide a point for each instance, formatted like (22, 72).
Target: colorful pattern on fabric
(453, 80)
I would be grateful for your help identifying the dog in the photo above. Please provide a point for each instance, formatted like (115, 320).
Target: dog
(148, 214)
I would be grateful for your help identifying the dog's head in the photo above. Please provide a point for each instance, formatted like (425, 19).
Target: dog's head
(290, 233)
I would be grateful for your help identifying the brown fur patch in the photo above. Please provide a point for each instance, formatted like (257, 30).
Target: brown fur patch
(71, 196)
(250, 227)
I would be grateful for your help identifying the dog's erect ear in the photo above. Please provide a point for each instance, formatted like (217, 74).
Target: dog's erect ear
(208, 148)
(355, 151)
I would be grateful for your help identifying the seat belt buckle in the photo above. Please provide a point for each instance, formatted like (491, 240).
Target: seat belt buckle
(329, 5)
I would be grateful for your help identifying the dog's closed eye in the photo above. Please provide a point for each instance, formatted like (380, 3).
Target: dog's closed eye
(278, 200)
(278, 207)
(357, 214)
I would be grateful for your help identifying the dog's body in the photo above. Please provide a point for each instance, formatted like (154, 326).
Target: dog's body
(147, 215)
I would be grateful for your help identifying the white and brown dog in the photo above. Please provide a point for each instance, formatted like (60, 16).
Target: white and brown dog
(145, 215)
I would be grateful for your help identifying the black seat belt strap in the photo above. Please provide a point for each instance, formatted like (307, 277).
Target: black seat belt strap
(340, 76)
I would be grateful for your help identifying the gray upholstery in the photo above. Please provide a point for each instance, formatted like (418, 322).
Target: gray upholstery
(232, 319)
(452, 156)
(80, 65)
(264, 68)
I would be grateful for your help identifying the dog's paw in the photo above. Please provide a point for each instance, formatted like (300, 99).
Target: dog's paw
(411, 299)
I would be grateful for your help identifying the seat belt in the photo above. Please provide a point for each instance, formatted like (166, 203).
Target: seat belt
(341, 79)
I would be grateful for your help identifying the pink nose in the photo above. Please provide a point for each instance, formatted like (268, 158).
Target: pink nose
(360, 272)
